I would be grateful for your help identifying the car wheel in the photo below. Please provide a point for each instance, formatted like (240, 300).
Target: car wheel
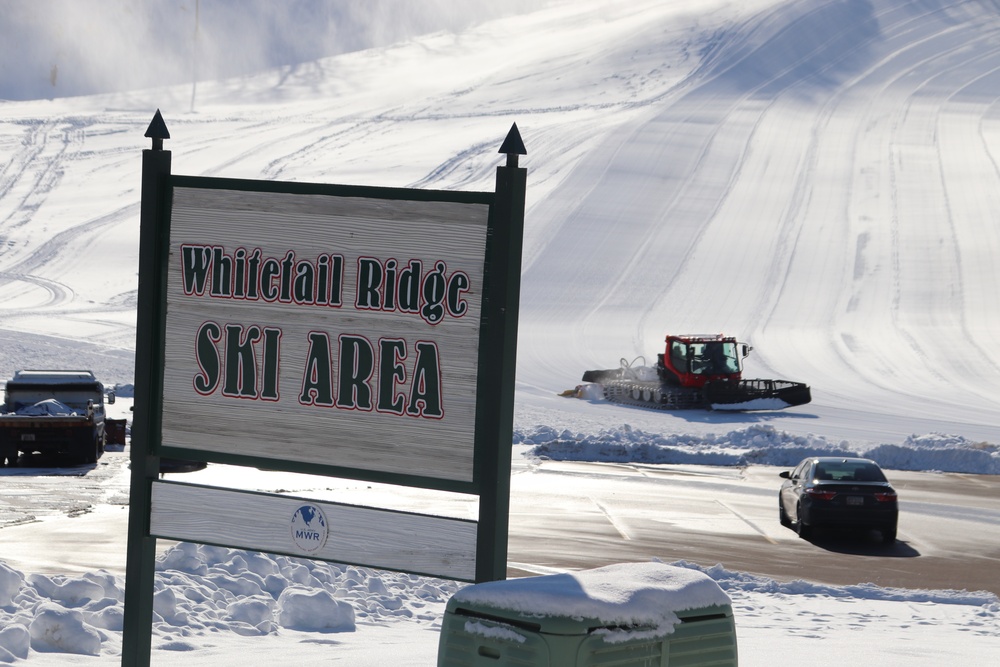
(889, 534)
(801, 527)
(783, 515)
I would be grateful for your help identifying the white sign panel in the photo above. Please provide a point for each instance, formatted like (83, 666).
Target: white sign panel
(342, 331)
(434, 545)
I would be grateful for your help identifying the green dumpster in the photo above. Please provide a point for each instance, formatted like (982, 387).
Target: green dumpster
(626, 615)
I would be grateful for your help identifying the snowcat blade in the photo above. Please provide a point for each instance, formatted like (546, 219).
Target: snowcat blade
(757, 395)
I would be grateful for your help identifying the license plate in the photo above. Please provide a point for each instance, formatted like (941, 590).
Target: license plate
(27, 437)
(855, 500)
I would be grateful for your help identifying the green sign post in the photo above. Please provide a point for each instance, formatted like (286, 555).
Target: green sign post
(357, 332)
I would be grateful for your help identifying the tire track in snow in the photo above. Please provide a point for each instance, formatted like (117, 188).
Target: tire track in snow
(711, 99)
(781, 263)
(47, 253)
(790, 252)
(969, 339)
(892, 30)
(920, 129)
(28, 182)
(37, 173)
(912, 388)
(797, 219)
(705, 99)
(26, 165)
(58, 293)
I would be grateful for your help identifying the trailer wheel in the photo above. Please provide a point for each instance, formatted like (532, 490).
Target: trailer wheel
(92, 453)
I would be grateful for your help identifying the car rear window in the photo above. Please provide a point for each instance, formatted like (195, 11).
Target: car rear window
(847, 471)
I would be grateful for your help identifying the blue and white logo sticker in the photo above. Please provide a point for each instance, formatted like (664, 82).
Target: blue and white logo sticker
(309, 528)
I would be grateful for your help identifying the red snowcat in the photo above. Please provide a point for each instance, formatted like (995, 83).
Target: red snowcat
(696, 371)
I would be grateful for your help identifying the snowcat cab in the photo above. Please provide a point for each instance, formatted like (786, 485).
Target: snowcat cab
(695, 360)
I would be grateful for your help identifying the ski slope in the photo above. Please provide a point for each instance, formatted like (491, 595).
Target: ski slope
(817, 177)
(820, 185)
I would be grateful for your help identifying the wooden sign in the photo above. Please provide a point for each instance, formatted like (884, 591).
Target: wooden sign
(350, 331)
(323, 328)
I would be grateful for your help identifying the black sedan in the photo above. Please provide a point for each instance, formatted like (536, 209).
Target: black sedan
(826, 491)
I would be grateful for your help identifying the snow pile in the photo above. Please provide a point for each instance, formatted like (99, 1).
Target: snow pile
(202, 590)
(645, 595)
(255, 593)
(760, 444)
(124, 390)
(948, 453)
(308, 610)
(10, 583)
(54, 615)
(745, 583)
(55, 629)
(208, 599)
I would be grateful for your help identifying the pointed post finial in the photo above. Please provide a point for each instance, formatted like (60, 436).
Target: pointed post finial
(513, 146)
(157, 131)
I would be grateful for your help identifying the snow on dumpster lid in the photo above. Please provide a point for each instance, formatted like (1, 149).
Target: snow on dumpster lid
(626, 594)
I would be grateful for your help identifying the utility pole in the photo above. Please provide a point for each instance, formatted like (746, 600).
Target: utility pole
(194, 54)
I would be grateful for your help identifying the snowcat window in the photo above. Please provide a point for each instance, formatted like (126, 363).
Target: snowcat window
(679, 356)
(730, 358)
(714, 359)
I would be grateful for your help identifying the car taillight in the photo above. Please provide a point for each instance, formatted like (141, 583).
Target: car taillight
(821, 494)
(886, 497)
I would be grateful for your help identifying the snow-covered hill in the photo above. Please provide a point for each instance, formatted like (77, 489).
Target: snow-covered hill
(821, 183)
(816, 177)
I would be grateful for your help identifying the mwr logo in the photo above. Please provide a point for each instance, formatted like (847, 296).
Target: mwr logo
(309, 528)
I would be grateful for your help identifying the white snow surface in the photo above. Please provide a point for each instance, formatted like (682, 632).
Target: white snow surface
(213, 605)
(818, 177)
(639, 594)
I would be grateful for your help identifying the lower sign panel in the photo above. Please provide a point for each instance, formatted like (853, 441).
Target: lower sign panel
(379, 538)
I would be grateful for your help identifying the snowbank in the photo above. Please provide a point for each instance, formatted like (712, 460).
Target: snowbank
(208, 599)
(760, 444)
(201, 591)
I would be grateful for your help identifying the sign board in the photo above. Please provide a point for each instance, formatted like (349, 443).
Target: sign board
(337, 532)
(322, 328)
(350, 331)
